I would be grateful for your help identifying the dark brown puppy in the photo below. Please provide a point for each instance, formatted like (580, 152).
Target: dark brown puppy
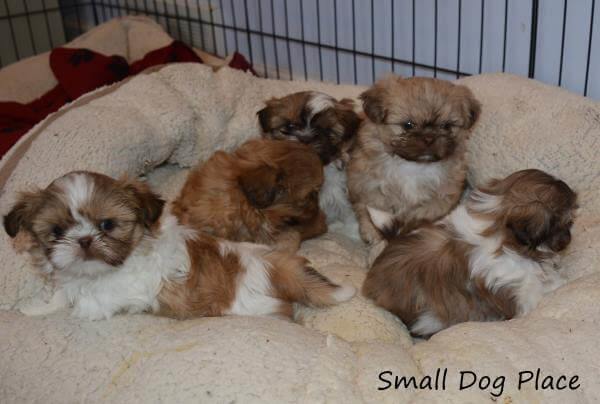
(492, 258)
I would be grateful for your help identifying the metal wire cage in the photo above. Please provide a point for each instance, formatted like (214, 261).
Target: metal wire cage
(345, 41)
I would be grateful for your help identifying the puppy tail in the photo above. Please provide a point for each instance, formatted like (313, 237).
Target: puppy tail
(295, 281)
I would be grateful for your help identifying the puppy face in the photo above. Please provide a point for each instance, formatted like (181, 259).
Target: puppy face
(533, 209)
(85, 216)
(313, 118)
(421, 119)
(287, 186)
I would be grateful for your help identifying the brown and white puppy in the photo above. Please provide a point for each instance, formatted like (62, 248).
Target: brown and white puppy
(409, 158)
(111, 246)
(265, 192)
(328, 126)
(492, 258)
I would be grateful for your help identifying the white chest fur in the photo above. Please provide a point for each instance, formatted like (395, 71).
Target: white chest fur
(528, 279)
(415, 181)
(98, 291)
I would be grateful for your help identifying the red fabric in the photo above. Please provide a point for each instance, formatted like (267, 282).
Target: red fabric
(79, 71)
(239, 62)
(176, 52)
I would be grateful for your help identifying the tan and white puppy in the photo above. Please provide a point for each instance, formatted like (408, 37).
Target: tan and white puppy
(492, 258)
(110, 246)
(409, 158)
(328, 126)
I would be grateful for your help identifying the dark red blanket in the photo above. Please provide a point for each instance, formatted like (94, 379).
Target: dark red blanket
(79, 71)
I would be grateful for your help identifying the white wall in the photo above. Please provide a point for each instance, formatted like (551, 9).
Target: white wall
(268, 52)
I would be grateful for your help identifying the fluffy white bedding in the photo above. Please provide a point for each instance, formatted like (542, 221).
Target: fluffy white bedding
(161, 123)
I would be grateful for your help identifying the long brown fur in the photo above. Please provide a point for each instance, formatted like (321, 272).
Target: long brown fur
(421, 120)
(428, 270)
(210, 287)
(263, 192)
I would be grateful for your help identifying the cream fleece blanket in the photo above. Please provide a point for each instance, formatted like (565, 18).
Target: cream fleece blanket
(159, 124)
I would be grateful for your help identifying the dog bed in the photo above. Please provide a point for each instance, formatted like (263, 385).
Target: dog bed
(158, 125)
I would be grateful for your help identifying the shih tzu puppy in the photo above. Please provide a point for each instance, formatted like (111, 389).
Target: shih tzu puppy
(328, 126)
(112, 246)
(266, 191)
(492, 258)
(409, 157)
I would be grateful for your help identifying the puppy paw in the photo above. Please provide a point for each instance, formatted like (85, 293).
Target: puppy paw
(90, 309)
(40, 308)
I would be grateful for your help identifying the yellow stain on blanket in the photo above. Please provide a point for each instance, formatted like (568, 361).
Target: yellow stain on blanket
(136, 357)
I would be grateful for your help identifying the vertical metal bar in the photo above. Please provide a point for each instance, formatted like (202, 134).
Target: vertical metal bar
(95, 12)
(79, 26)
(224, 30)
(458, 40)
(12, 30)
(319, 40)
(177, 20)
(354, 40)
(372, 42)
(302, 38)
(337, 52)
(103, 8)
(287, 39)
(262, 39)
(589, 54)
(535, 6)
(275, 40)
(435, 38)
(505, 30)
(47, 21)
(235, 26)
(248, 39)
(393, 37)
(200, 18)
(562, 43)
(414, 21)
(189, 22)
(481, 35)
(212, 26)
(166, 15)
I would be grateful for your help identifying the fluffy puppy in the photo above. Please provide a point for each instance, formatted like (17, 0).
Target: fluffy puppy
(409, 158)
(266, 191)
(492, 258)
(111, 246)
(328, 126)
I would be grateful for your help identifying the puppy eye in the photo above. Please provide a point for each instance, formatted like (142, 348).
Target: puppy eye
(107, 225)
(408, 125)
(287, 129)
(446, 126)
(57, 231)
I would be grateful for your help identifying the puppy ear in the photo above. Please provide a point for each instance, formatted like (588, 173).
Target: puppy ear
(384, 222)
(348, 118)
(263, 118)
(261, 185)
(530, 228)
(20, 216)
(149, 204)
(471, 108)
(264, 115)
(373, 105)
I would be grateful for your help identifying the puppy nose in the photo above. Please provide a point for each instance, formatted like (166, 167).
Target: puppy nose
(85, 242)
(428, 138)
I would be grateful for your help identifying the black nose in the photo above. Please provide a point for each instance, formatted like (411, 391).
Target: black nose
(85, 242)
